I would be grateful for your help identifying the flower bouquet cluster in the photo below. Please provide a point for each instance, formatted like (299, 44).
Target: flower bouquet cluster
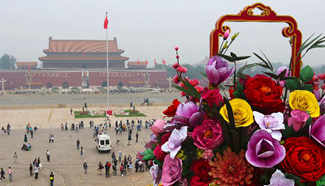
(268, 129)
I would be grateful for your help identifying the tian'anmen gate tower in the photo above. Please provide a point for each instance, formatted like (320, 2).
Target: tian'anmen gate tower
(87, 54)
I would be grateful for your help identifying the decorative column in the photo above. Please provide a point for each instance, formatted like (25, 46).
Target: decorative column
(170, 83)
(3, 84)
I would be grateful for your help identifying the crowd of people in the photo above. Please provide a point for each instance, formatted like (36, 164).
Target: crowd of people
(118, 164)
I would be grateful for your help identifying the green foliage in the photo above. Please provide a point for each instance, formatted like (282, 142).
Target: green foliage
(321, 181)
(293, 84)
(189, 150)
(306, 74)
(7, 62)
(239, 93)
(148, 155)
(194, 72)
(233, 57)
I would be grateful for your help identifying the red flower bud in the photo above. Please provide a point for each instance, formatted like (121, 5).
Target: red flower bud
(176, 48)
(177, 57)
(175, 65)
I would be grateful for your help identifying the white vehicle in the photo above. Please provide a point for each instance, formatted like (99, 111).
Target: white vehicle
(103, 142)
(155, 91)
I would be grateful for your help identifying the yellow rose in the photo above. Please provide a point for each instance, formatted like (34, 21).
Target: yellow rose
(305, 101)
(243, 113)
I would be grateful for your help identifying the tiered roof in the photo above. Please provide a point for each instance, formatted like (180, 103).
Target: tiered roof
(19, 64)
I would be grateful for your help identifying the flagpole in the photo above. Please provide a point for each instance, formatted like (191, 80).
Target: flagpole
(107, 67)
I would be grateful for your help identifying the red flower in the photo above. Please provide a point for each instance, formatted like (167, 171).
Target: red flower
(165, 138)
(176, 79)
(264, 94)
(171, 110)
(201, 169)
(181, 69)
(175, 65)
(212, 96)
(231, 92)
(160, 155)
(304, 159)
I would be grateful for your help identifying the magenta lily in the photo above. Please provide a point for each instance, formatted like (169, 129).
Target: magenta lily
(317, 131)
(217, 70)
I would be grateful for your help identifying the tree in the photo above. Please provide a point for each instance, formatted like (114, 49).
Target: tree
(7, 62)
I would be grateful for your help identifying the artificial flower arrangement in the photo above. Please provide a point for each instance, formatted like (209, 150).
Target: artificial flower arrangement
(270, 130)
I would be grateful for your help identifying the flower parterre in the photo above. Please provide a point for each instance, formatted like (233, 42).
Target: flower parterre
(269, 131)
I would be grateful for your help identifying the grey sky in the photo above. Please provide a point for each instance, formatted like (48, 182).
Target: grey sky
(150, 28)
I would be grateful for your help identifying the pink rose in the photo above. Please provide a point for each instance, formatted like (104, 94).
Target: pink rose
(298, 119)
(208, 135)
(158, 127)
(172, 171)
(212, 96)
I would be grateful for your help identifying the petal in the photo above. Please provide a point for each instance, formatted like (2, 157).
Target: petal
(258, 117)
(174, 151)
(276, 135)
(196, 119)
(164, 147)
(212, 74)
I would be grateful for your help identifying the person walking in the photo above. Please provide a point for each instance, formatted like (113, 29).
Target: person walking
(51, 178)
(15, 158)
(48, 155)
(113, 156)
(85, 166)
(71, 111)
(119, 157)
(136, 137)
(36, 173)
(31, 170)
(2, 172)
(31, 134)
(10, 173)
(81, 151)
(78, 144)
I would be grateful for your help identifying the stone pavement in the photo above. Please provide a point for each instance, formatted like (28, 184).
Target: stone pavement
(66, 162)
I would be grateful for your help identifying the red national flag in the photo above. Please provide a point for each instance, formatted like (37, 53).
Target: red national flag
(155, 62)
(138, 62)
(106, 22)
(163, 61)
(147, 62)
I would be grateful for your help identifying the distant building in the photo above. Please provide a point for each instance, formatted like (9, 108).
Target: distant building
(26, 65)
(86, 54)
(137, 65)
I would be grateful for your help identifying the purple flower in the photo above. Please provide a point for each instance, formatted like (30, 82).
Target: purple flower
(264, 151)
(153, 141)
(281, 69)
(317, 94)
(317, 131)
(217, 70)
(298, 119)
(188, 114)
(174, 143)
(156, 174)
(278, 179)
(271, 123)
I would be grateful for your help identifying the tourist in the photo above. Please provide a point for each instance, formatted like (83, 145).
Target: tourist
(10, 173)
(136, 165)
(113, 156)
(31, 134)
(85, 166)
(130, 166)
(114, 170)
(136, 137)
(81, 151)
(100, 167)
(15, 158)
(71, 111)
(36, 173)
(35, 129)
(119, 156)
(78, 144)
(2, 172)
(62, 127)
(66, 126)
(77, 128)
(8, 128)
(48, 155)
(121, 169)
(51, 178)
(31, 170)
(107, 167)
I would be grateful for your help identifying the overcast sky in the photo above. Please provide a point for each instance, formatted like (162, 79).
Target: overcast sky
(151, 28)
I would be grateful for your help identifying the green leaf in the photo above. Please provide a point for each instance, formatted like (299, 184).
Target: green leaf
(293, 177)
(293, 84)
(269, 62)
(186, 91)
(230, 115)
(271, 75)
(306, 74)
(241, 58)
(308, 87)
(148, 157)
(228, 58)
(239, 93)
(233, 55)
(191, 88)
(321, 181)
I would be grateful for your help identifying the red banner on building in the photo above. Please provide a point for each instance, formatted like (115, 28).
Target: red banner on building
(121, 74)
(50, 74)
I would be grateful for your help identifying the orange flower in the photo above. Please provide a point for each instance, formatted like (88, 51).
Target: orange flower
(231, 169)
